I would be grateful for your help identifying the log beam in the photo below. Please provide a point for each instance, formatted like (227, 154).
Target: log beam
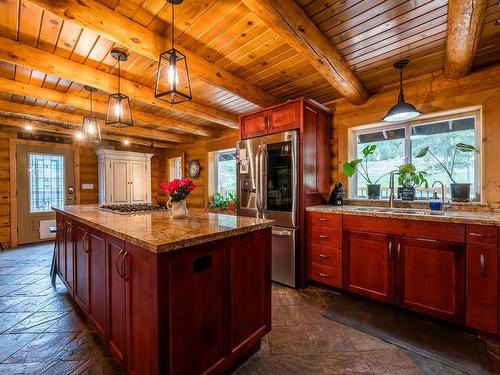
(293, 25)
(76, 120)
(94, 16)
(25, 89)
(32, 58)
(465, 23)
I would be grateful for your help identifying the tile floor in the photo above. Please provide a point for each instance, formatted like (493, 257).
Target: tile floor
(42, 332)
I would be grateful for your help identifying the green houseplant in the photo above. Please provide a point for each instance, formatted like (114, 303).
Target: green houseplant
(223, 203)
(409, 179)
(459, 191)
(361, 166)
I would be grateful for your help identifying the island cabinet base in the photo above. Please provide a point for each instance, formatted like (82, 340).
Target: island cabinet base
(197, 310)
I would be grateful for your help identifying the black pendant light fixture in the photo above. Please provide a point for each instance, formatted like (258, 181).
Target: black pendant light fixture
(401, 111)
(90, 126)
(119, 112)
(172, 77)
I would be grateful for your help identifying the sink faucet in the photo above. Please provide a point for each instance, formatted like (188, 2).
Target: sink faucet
(391, 189)
(442, 193)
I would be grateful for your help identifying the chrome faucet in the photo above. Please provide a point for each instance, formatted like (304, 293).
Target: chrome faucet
(391, 190)
(442, 193)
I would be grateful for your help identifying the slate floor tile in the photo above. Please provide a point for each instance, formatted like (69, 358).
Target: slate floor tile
(11, 343)
(37, 322)
(9, 319)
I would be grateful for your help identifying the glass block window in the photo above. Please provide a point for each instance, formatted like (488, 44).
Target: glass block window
(46, 176)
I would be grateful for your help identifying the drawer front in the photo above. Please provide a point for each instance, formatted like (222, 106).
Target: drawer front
(325, 274)
(482, 235)
(328, 256)
(324, 219)
(324, 236)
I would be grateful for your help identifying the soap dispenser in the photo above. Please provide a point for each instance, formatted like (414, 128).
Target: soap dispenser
(435, 203)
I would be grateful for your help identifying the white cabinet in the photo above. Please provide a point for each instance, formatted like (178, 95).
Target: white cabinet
(124, 177)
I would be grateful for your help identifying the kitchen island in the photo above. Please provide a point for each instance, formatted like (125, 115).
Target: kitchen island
(184, 296)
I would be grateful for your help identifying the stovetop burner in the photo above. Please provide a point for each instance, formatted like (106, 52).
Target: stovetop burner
(132, 208)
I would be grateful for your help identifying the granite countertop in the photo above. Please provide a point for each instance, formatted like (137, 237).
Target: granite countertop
(158, 232)
(462, 217)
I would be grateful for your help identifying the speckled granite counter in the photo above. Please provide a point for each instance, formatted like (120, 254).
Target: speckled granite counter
(463, 217)
(158, 232)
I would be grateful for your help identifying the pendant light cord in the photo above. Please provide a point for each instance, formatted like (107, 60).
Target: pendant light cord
(172, 25)
(119, 92)
(401, 97)
(91, 111)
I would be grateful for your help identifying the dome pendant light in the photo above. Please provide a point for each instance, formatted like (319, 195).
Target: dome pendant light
(119, 112)
(401, 111)
(172, 77)
(90, 126)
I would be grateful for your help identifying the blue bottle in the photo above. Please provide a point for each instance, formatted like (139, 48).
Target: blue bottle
(435, 203)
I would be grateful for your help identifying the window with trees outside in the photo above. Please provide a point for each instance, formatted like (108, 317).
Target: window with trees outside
(225, 172)
(397, 144)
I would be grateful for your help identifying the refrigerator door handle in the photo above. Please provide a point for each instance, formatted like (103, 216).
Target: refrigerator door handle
(294, 181)
(257, 178)
(263, 181)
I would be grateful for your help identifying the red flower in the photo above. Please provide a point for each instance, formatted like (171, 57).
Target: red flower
(178, 189)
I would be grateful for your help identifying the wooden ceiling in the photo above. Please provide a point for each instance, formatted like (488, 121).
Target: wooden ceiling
(238, 62)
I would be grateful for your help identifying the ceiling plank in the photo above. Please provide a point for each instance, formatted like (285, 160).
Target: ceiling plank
(33, 58)
(465, 23)
(287, 19)
(39, 126)
(70, 118)
(95, 16)
(36, 92)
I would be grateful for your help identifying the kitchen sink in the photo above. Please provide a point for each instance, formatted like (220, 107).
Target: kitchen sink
(401, 211)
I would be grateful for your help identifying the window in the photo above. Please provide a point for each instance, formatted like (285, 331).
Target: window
(400, 143)
(175, 168)
(225, 172)
(46, 175)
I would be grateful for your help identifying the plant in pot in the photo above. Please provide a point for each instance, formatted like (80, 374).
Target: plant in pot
(178, 189)
(361, 166)
(409, 179)
(223, 203)
(460, 192)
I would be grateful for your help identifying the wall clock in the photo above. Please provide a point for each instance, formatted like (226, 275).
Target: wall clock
(194, 168)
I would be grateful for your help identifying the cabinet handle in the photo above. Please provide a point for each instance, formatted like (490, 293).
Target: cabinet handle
(398, 252)
(118, 266)
(85, 248)
(323, 236)
(481, 261)
(323, 274)
(324, 220)
(474, 234)
(390, 250)
(124, 269)
(324, 256)
(426, 239)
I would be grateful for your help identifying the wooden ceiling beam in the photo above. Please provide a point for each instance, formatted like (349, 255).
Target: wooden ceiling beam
(25, 89)
(76, 120)
(465, 23)
(39, 126)
(104, 21)
(48, 63)
(293, 25)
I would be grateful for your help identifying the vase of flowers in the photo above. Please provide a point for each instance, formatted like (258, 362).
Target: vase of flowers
(178, 189)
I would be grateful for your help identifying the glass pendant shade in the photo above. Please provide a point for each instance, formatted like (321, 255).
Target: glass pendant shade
(119, 112)
(91, 129)
(172, 78)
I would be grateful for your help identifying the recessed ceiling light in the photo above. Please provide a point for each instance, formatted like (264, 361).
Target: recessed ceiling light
(126, 142)
(28, 127)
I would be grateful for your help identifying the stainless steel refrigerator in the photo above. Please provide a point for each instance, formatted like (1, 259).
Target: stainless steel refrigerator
(267, 184)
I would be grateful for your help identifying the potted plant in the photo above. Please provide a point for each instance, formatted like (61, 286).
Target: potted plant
(179, 190)
(221, 203)
(409, 178)
(361, 166)
(460, 192)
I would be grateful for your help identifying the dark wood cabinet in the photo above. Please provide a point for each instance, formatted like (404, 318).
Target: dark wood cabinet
(82, 265)
(368, 265)
(431, 277)
(69, 255)
(61, 246)
(97, 281)
(253, 125)
(284, 117)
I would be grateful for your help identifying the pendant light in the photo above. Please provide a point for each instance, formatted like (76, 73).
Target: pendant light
(172, 77)
(401, 111)
(90, 126)
(119, 112)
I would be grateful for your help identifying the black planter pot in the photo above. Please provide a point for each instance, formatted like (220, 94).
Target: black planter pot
(406, 193)
(460, 192)
(373, 191)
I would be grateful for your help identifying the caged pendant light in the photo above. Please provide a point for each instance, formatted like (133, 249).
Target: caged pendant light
(172, 77)
(401, 111)
(119, 112)
(90, 126)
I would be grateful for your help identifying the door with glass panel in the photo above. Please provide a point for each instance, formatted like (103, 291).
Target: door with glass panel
(45, 178)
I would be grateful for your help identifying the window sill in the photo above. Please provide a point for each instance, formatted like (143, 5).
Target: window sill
(422, 204)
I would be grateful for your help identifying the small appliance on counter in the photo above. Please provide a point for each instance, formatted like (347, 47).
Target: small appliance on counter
(337, 195)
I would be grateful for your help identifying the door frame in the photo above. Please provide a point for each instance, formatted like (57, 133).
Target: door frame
(13, 143)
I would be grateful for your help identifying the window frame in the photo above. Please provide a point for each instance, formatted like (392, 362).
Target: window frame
(475, 112)
(216, 166)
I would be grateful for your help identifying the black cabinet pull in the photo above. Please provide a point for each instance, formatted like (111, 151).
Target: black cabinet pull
(202, 264)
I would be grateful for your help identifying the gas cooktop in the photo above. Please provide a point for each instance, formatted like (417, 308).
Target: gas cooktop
(132, 208)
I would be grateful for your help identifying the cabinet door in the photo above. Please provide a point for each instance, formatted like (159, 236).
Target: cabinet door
(81, 265)
(61, 246)
(253, 125)
(69, 255)
(430, 277)
(115, 249)
(138, 192)
(120, 186)
(368, 265)
(197, 309)
(482, 288)
(97, 281)
(285, 117)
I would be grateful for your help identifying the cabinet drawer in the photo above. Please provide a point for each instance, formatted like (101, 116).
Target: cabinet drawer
(325, 255)
(324, 219)
(324, 236)
(325, 274)
(482, 235)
